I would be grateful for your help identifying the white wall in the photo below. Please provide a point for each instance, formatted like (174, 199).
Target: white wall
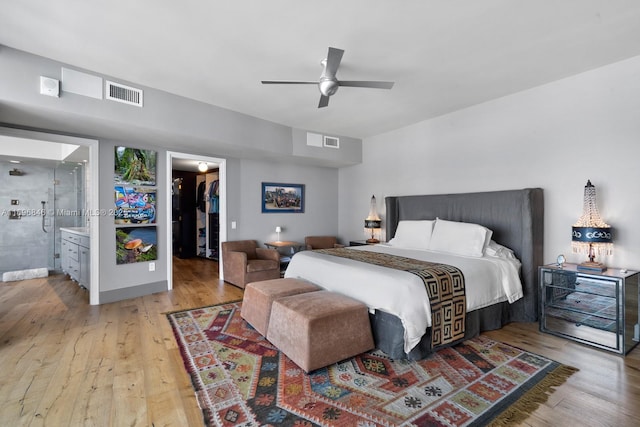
(554, 136)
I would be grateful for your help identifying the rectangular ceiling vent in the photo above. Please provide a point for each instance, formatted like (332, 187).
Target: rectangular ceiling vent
(125, 94)
(331, 141)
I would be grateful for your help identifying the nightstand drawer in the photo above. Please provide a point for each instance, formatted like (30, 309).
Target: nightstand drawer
(580, 328)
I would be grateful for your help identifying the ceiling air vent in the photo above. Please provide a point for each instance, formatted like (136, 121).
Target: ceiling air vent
(331, 141)
(125, 94)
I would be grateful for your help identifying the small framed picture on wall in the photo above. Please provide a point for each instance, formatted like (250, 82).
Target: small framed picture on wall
(282, 198)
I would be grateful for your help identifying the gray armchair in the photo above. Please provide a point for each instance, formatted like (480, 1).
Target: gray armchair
(244, 262)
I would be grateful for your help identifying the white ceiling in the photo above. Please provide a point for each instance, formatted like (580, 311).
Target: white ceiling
(191, 165)
(443, 55)
(44, 153)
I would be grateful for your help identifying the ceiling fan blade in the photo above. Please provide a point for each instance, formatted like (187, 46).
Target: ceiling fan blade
(324, 101)
(333, 60)
(287, 82)
(371, 84)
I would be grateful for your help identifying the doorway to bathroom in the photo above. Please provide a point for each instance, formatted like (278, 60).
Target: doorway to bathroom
(40, 196)
(47, 182)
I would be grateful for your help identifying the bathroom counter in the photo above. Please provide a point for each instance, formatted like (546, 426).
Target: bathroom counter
(84, 231)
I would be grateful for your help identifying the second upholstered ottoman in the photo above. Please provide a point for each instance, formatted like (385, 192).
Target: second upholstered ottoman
(317, 329)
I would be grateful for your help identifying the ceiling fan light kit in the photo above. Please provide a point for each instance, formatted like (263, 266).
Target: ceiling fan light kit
(328, 83)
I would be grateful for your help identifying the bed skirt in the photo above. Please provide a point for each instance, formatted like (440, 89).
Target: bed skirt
(388, 332)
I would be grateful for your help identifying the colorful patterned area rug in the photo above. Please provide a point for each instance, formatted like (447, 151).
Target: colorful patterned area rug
(241, 379)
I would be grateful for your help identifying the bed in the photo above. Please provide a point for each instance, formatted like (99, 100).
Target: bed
(515, 219)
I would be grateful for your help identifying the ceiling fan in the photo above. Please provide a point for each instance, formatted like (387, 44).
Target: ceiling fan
(328, 83)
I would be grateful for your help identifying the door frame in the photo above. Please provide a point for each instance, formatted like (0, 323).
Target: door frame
(222, 194)
(93, 197)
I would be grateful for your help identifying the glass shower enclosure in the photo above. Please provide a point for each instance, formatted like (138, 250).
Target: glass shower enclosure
(38, 197)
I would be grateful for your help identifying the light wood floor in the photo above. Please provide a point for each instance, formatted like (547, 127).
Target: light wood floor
(66, 363)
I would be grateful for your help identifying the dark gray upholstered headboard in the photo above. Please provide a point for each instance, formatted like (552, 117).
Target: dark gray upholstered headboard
(515, 216)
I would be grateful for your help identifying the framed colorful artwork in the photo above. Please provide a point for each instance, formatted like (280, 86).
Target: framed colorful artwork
(282, 198)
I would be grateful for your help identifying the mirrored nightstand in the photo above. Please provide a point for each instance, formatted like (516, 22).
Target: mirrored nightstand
(598, 309)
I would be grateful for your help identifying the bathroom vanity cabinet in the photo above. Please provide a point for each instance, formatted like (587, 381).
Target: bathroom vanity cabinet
(74, 254)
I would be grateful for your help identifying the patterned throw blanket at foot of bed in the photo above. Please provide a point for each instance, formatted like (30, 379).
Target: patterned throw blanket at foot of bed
(444, 284)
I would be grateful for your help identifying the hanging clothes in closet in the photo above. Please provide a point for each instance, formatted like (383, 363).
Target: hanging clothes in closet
(212, 194)
(200, 200)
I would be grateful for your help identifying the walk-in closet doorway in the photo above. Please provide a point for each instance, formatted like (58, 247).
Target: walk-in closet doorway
(199, 232)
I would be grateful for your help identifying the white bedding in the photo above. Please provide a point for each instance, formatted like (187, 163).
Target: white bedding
(488, 280)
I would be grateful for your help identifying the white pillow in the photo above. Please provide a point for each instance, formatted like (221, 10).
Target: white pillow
(497, 250)
(460, 238)
(413, 234)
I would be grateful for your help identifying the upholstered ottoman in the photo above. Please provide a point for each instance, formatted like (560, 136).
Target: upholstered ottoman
(319, 328)
(259, 296)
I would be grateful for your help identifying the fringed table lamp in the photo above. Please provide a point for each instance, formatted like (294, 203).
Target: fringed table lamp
(373, 221)
(591, 235)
